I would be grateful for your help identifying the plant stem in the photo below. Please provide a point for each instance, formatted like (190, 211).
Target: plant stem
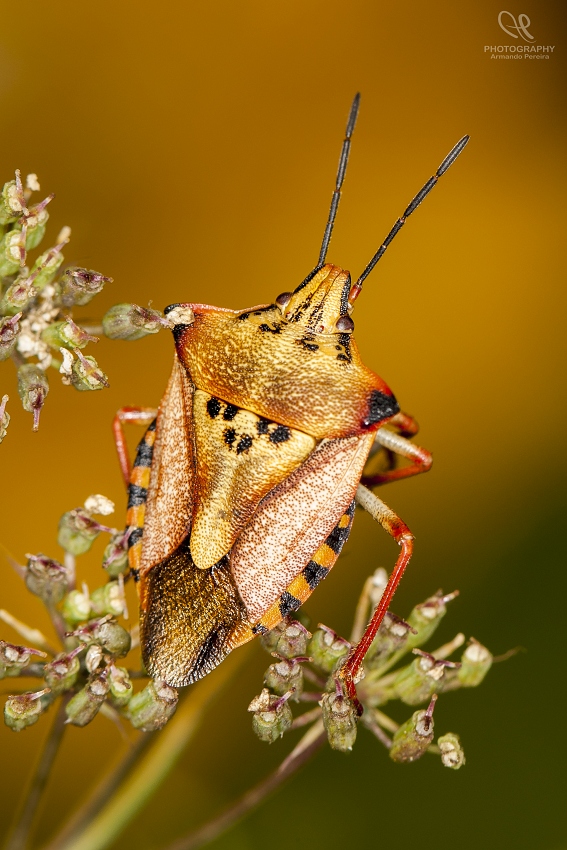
(309, 744)
(115, 807)
(19, 836)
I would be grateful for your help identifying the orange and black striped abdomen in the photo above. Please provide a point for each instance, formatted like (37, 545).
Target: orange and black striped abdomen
(138, 495)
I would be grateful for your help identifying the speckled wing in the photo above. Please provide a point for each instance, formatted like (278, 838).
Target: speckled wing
(169, 505)
(240, 457)
(294, 519)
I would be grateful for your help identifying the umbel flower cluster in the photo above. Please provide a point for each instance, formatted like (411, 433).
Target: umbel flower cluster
(86, 670)
(37, 298)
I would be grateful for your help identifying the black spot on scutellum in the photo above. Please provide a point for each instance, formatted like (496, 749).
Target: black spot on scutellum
(213, 407)
(280, 434)
(244, 444)
(229, 436)
(230, 412)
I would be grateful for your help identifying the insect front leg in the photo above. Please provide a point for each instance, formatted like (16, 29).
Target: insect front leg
(403, 536)
(399, 444)
(133, 416)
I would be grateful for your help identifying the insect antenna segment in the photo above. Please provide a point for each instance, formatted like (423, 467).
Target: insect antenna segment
(341, 171)
(423, 192)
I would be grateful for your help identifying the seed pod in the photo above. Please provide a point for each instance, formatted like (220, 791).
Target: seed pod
(392, 637)
(15, 658)
(418, 681)
(326, 648)
(272, 715)
(76, 607)
(11, 203)
(77, 531)
(476, 661)
(86, 374)
(46, 267)
(66, 334)
(130, 322)
(12, 253)
(115, 557)
(32, 389)
(108, 599)
(113, 638)
(152, 707)
(414, 736)
(24, 709)
(426, 617)
(452, 754)
(9, 330)
(4, 417)
(339, 719)
(61, 673)
(288, 639)
(84, 706)
(46, 578)
(78, 286)
(285, 675)
(121, 689)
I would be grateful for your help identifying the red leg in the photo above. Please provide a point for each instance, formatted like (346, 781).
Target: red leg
(398, 444)
(135, 416)
(402, 535)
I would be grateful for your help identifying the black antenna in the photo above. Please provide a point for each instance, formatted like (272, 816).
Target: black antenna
(445, 165)
(345, 150)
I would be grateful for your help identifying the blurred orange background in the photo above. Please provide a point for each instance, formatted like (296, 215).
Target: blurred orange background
(192, 148)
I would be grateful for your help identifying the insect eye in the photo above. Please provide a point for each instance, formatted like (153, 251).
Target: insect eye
(283, 300)
(345, 325)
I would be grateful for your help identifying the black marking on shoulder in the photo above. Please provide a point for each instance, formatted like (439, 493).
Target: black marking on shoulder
(229, 436)
(135, 537)
(213, 407)
(380, 406)
(244, 444)
(144, 454)
(308, 343)
(272, 329)
(262, 425)
(230, 412)
(288, 603)
(344, 342)
(313, 573)
(136, 495)
(280, 434)
(259, 629)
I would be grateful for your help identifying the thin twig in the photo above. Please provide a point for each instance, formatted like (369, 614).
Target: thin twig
(30, 635)
(21, 830)
(309, 744)
(306, 717)
(376, 730)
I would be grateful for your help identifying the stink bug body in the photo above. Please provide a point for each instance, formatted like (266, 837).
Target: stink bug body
(243, 489)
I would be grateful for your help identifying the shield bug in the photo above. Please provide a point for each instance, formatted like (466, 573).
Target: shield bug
(243, 490)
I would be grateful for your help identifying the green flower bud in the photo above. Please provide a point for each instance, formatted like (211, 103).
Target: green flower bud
(452, 754)
(4, 417)
(130, 322)
(86, 374)
(66, 334)
(18, 295)
(24, 710)
(46, 578)
(32, 389)
(121, 689)
(152, 707)
(392, 637)
(9, 330)
(46, 267)
(414, 736)
(113, 638)
(14, 658)
(61, 673)
(77, 531)
(36, 224)
(79, 286)
(476, 661)
(326, 648)
(76, 607)
(287, 640)
(286, 675)
(340, 719)
(84, 706)
(108, 599)
(419, 680)
(11, 202)
(426, 617)
(272, 715)
(12, 252)
(115, 557)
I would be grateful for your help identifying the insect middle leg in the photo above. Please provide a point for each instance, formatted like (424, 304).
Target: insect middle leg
(399, 444)
(133, 416)
(403, 536)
